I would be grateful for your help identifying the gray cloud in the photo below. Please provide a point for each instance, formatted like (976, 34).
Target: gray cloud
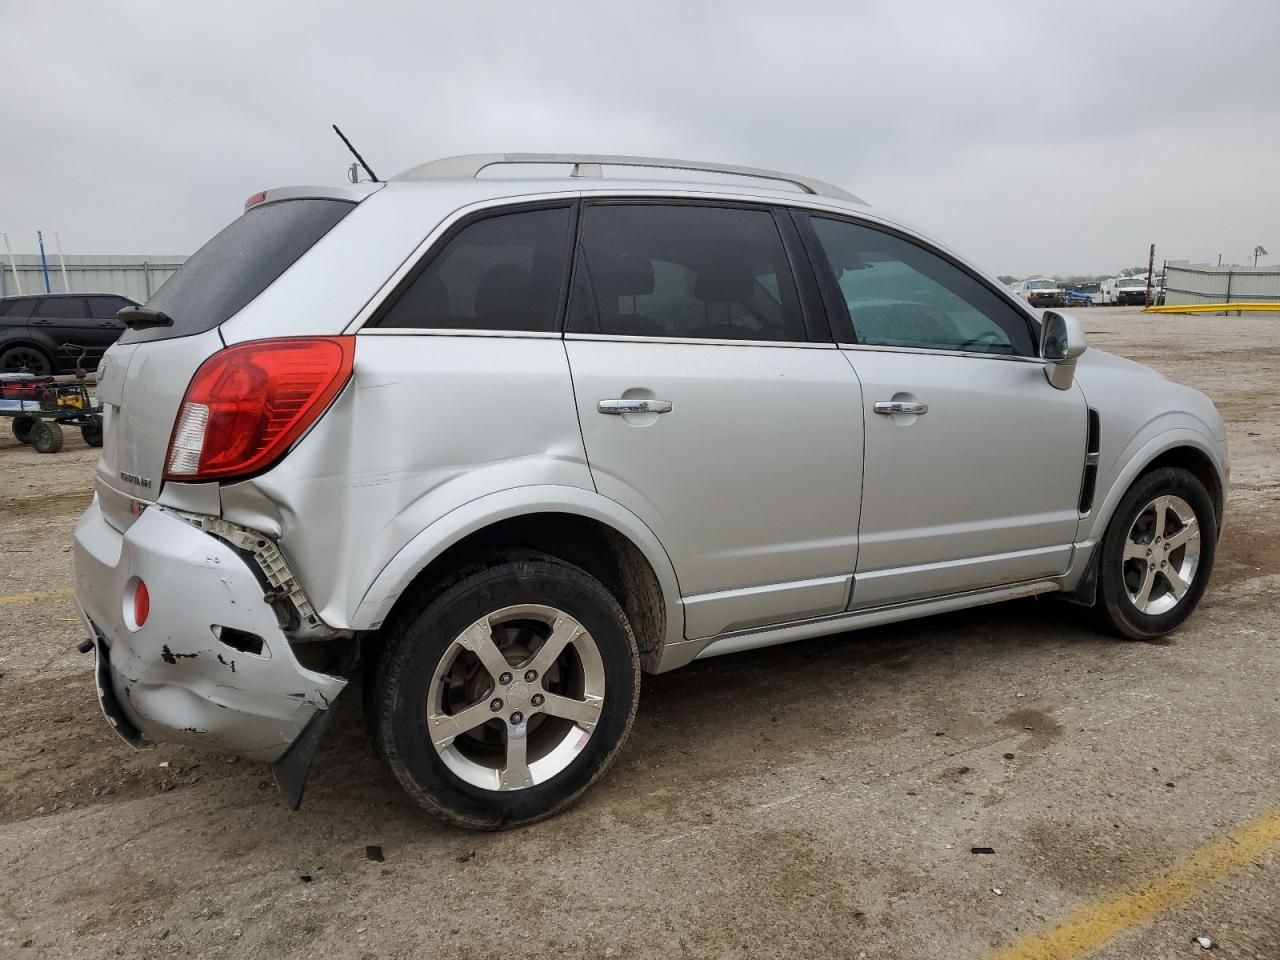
(1034, 137)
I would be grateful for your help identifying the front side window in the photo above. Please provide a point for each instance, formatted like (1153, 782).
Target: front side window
(504, 272)
(901, 295)
(704, 272)
(18, 309)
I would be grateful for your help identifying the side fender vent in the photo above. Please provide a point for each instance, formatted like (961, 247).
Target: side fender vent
(1093, 447)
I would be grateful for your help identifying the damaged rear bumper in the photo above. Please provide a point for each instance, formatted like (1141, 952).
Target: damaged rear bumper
(192, 672)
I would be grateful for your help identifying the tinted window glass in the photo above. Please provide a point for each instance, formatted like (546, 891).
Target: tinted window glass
(104, 308)
(238, 264)
(18, 309)
(500, 273)
(67, 308)
(684, 271)
(901, 295)
(22, 308)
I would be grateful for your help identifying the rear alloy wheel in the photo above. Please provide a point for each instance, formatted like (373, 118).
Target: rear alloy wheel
(508, 695)
(1157, 554)
(46, 437)
(24, 359)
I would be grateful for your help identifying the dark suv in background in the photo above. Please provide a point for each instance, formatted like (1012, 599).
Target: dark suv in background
(33, 330)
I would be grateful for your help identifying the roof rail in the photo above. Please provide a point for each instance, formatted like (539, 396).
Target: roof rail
(589, 164)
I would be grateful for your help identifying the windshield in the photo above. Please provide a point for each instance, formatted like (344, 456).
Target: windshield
(1043, 285)
(1132, 282)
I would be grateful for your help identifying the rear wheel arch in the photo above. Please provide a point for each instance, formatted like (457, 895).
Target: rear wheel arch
(602, 550)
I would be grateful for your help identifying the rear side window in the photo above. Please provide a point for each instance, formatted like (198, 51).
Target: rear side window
(504, 272)
(104, 308)
(705, 272)
(238, 264)
(65, 308)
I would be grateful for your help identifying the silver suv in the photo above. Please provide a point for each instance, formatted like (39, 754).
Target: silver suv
(502, 438)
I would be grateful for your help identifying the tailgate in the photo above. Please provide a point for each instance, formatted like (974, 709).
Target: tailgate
(140, 386)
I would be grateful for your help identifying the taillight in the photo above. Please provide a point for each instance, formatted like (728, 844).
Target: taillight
(256, 199)
(248, 403)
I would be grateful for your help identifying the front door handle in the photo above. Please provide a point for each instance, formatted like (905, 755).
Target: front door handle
(889, 407)
(619, 407)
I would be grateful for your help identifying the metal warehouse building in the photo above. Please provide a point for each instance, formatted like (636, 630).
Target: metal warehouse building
(132, 276)
(1189, 283)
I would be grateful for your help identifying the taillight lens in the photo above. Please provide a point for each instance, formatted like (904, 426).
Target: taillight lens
(248, 403)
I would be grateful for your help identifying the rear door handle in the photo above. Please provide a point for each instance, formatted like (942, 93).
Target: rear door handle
(619, 407)
(889, 407)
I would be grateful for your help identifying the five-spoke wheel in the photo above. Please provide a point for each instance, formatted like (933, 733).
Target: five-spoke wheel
(508, 694)
(1157, 554)
(516, 697)
(1161, 554)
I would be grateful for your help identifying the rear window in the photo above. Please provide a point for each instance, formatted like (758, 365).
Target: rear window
(238, 264)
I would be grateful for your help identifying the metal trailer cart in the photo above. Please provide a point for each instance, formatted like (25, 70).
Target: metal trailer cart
(40, 406)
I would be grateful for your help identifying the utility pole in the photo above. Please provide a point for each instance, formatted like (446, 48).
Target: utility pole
(1151, 266)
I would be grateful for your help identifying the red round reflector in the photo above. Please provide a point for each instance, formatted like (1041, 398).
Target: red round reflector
(141, 604)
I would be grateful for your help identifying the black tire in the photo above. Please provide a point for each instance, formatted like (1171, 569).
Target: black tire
(22, 428)
(24, 358)
(1115, 607)
(46, 437)
(92, 433)
(420, 642)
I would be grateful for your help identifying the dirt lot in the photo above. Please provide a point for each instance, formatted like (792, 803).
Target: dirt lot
(817, 800)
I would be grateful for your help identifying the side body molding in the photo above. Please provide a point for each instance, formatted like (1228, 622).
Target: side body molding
(503, 505)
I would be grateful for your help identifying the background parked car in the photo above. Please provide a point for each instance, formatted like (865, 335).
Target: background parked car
(33, 330)
(1077, 298)
(1041, 292)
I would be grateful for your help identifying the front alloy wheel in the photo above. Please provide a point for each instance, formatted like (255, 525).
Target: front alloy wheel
(505, 697)
(1161, 555)
(1157, 554)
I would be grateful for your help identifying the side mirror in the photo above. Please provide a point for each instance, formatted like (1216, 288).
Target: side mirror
(1062, 340)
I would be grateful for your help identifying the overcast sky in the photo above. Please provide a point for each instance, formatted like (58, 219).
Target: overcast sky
(1033, 136)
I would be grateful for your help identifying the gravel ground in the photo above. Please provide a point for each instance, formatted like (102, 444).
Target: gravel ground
(819, 799)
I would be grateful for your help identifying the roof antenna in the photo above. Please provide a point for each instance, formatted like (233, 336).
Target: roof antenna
(353, 175)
